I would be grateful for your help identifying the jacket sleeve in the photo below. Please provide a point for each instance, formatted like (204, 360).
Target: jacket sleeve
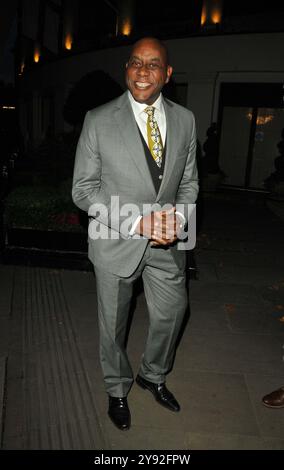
(188, 188)
(87, 190)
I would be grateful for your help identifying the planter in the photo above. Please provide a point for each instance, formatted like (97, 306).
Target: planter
(46, 240)
(49, 249)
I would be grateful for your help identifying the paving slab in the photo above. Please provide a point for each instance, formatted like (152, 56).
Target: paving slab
(231, 353)
(261, 259)
(206, 272)
(270, 421)
(253, 318)
(224, 292)
(207, 316)
(147, 438)
(208, 441)
(3, 362)
(266, 276)
(53, 394)
(14, 417)
(215, 403)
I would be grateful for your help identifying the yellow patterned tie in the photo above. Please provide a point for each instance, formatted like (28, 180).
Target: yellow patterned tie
(154, 136)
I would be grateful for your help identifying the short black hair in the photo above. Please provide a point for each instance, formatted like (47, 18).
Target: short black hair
(160, 43)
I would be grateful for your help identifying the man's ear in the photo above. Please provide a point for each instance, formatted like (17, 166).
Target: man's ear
(126, 65)
(169, 73)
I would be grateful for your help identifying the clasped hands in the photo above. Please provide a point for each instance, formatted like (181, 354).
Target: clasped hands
(162, 227)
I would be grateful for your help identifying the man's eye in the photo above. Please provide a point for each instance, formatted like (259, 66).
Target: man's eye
(134, 63)
(153, 66)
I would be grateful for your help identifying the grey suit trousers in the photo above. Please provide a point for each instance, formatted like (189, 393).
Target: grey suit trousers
(166, 297)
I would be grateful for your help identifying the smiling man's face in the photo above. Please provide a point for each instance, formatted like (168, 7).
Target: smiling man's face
(147, 70)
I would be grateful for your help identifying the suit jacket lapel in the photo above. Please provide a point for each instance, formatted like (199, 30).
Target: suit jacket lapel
(172, 133)
(128, 128)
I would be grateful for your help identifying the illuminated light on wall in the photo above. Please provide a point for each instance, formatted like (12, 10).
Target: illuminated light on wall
(211, 13)
(68, 42)
(22, 67)
(126, 27)
(261, 120)
(216, 16)
(125, 17)
(8, 107)
(36, 55)
(203, 15)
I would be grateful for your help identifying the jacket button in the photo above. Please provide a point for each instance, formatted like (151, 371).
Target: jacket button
(160, 177)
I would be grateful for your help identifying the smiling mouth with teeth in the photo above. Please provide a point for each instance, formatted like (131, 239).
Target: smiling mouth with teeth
(142, 84)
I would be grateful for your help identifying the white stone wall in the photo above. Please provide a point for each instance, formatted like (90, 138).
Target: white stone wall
(202, 62)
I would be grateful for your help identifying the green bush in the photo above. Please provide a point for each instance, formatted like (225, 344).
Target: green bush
(41, 198)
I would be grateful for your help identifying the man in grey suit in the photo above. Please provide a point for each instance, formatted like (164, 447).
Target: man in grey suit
(135, 174)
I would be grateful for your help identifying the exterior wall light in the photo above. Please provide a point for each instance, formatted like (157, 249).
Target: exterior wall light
(68, 42)
(126, 27)
(36, 55)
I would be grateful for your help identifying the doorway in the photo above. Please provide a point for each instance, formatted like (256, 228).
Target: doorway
(250, 123)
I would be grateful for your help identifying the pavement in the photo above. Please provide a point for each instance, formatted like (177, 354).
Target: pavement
(230, 355)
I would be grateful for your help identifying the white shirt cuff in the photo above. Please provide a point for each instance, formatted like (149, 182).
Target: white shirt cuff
(181, 216)
(132, 230)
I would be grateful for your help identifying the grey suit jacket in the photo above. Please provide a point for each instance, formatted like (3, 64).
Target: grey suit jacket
(113, 183)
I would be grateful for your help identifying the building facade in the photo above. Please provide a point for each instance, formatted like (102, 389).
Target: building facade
(227, 69)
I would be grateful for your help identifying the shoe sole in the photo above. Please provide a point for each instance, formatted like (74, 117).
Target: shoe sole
(117, 427)
(144, 386)
(273, 406)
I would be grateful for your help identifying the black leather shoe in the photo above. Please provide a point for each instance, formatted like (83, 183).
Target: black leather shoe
(160, 392)
(119, 413)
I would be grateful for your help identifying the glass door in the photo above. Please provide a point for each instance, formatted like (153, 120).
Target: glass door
(269, 125)
(248, 144)
(234, 144)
